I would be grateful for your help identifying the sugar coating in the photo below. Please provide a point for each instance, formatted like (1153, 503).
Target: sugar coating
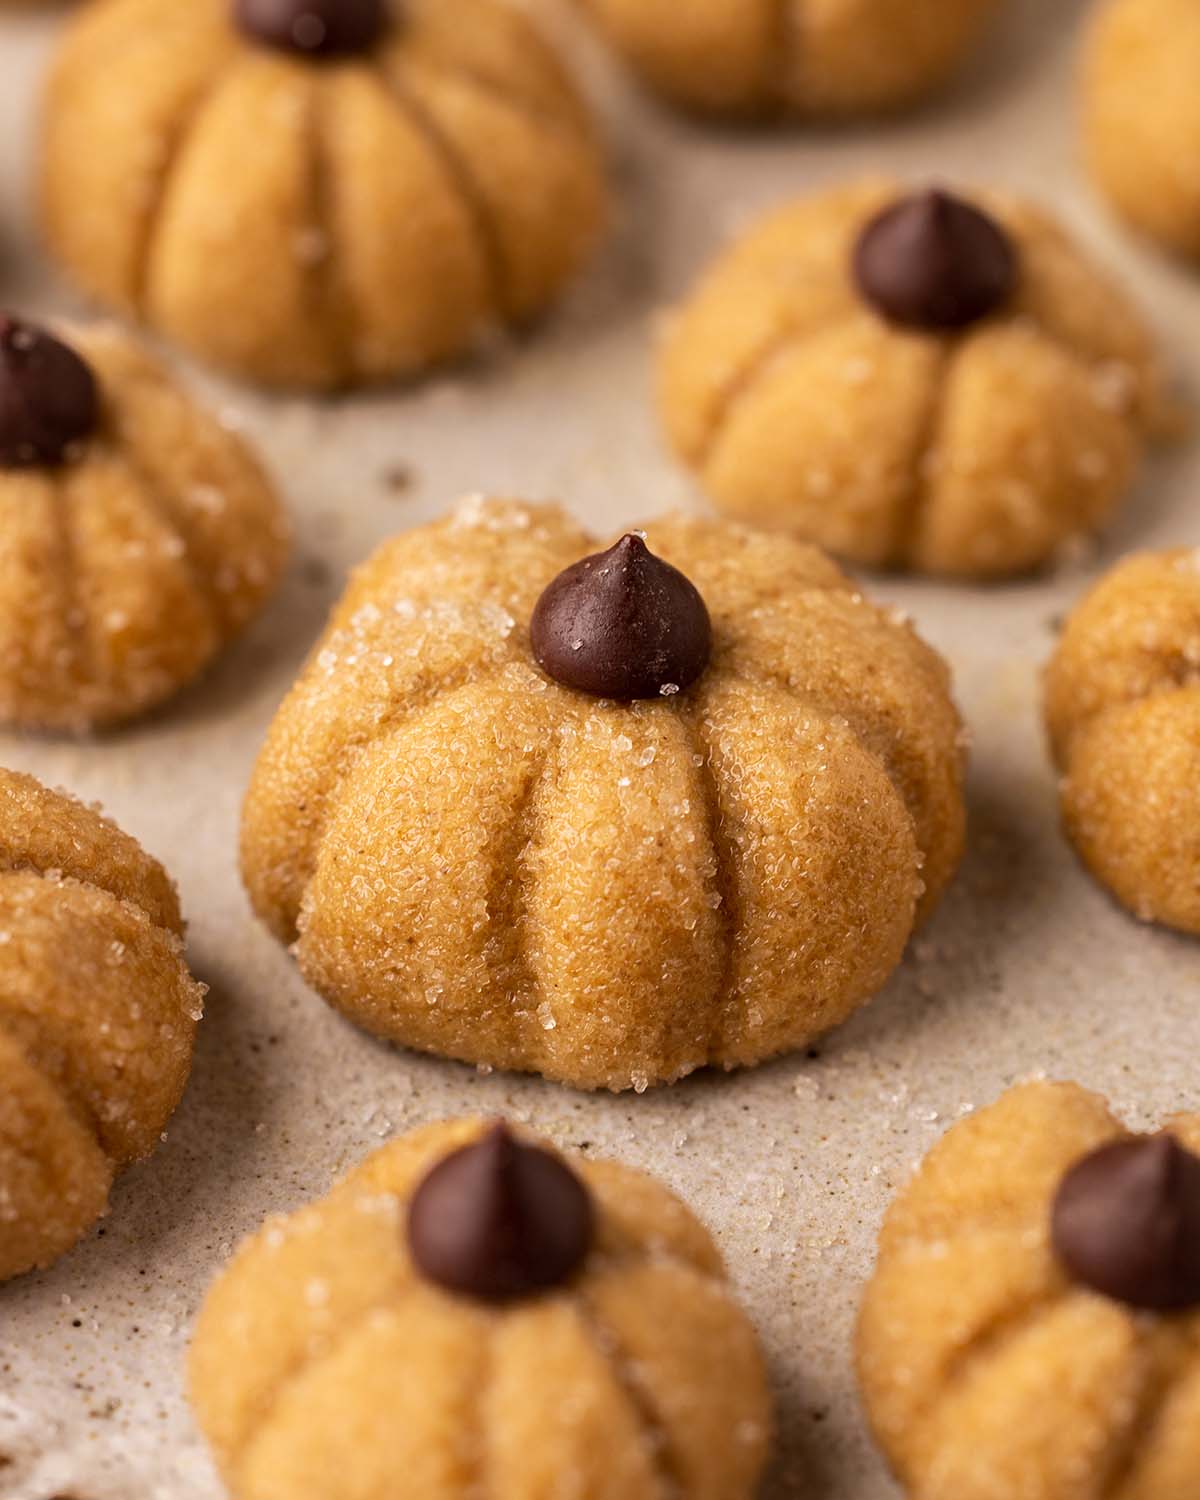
(988, 1374)
(1123, 715)
(324, 1366)
(1141, 115)
(976, 455)
(392, 210)
(126, 571)
(793, 57)
(97, 1016)
(476, 861)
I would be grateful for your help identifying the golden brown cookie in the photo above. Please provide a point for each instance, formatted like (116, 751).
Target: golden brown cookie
(1032, 1330)
(1123, 715)
(318, 193)
(97, 1015)
(1141, 115)
(483, 859)
(470, 1313)
(138, 535)
(811, 59)
(912, 381)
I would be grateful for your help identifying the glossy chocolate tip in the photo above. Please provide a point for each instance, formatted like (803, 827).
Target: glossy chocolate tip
(49, 399)
(316, 29)
(500, 1220)
(936, 263)
(1126, 1223)
(622, 624)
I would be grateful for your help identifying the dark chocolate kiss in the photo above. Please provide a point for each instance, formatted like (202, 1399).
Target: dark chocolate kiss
(48, 397)
(499, 1220)
(313, 28)
(622, 624)
(1126, 1222)
(933, 262)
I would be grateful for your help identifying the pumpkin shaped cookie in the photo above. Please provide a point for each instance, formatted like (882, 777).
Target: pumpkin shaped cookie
(807, 58)
(607, 818)
(317, 193)
(469, 1312)
(1123, 714)
(1141, 115)
(97, 1015)
(1032, 1330)
(912, 381)
(139, 536)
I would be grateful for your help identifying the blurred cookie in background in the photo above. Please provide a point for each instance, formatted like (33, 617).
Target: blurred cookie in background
(923, 380)
(1141, 115)
(758, 59)
(318, 193)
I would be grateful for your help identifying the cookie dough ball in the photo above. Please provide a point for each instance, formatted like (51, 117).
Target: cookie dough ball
(912, 381)
(139, 536)
(1141, 115)
(607, 818)
(753, 58)
(97, 1015)
(1032, 1330)
(470, 1312)
(1123, 715)
(318, 193)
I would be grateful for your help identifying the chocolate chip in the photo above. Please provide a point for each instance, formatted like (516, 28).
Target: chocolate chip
(499, 1220)
(622, 624)
(1126, 1222)
(933, 262)
(314, 28)
(48, 397)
